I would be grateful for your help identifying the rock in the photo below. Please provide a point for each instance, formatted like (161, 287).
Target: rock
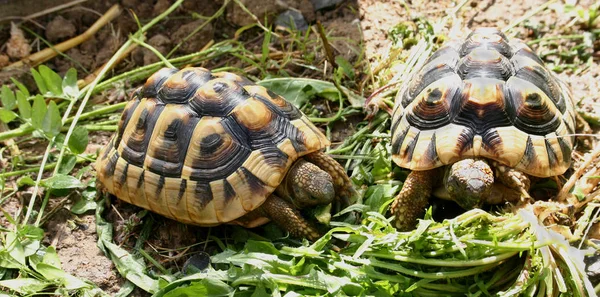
(195, 42)
(161, 6)
(143, 56)
(4, 60)
(86, 61)
(305, 7)
(320, 4)
(292, 18)
(59, 29)
(17, 47)
(259, 8)
(350, 31)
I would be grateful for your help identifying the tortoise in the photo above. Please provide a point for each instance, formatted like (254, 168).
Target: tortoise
(207, 148)
(480, 110)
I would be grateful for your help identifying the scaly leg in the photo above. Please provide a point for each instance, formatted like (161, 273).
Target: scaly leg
(288, 218)
(410, 204)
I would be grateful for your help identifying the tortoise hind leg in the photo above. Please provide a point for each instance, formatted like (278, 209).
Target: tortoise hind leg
(288, 218)
(344, 190)
(410, 203)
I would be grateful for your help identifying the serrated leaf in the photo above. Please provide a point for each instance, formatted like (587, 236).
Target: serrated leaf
(52, 122)
(298, 91)
(6, 115)
(8, 98)
(23, 105)
(38, 111)
(204, 287)
(52, 79)
(25, 286)
(69, 83)
(20, 86)
(79, 140)
(39, 81)
(62, 181)
(53, 273)
(129, 268)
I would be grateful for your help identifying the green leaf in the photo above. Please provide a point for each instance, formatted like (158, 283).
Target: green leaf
(38, 112)
(23, 105)
(20, 86)
(62, 181)
(69, 83)
(25, 286)
(51, 257)
(39, 81)
(52, 122)
(8, 98)
(53, 273)
(25, 181)
(345, 66)
(15, 251)
(52, 80)
(265, 47)
(67, 164)
(130, 269)
(83, 205)
(79, 140)
(204, 287)
(299, 91)
(6, 115)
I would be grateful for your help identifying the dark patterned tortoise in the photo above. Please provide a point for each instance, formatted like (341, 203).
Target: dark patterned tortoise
(210, 148)
(479, 110)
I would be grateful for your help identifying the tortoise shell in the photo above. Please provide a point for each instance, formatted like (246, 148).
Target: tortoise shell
(203, 148)
(484, 97)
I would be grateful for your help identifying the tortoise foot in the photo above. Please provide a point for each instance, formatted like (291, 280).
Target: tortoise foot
(410, 203)
(288, 218)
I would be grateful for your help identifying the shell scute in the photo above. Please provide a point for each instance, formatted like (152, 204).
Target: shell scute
(204, 148)
(488, 97)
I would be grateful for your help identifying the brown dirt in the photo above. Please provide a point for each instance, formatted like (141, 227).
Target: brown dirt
(353, 22)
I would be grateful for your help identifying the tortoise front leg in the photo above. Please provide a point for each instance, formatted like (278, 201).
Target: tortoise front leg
(410, 203)
(344, 190)
(288, 218)
(513, 179)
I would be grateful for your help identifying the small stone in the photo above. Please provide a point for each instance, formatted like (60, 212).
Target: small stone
(4, 60)
(60, 28)
(17, 46)
(259, 8)
(197, 41)
(305, 7)
(292, 18)
(321, 4)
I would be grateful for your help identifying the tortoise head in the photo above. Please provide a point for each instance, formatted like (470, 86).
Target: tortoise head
(307, 185)
(469, 182)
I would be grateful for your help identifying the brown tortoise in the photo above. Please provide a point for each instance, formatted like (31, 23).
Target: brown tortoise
(210, 148)
(480, 107)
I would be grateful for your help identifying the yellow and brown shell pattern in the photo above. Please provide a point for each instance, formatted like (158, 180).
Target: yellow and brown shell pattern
(484, 97)
(203, 148)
